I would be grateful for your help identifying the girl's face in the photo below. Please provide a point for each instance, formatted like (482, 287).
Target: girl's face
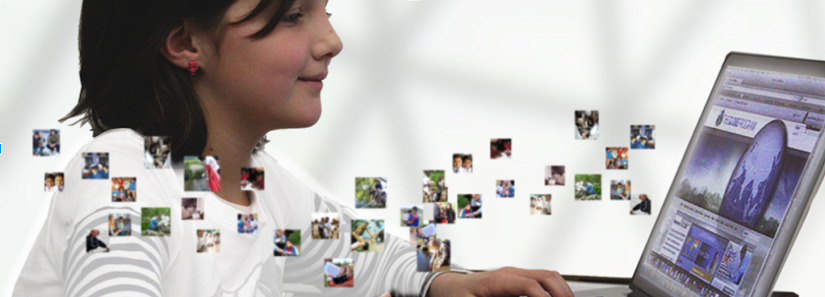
(456, 162)
(468, 163)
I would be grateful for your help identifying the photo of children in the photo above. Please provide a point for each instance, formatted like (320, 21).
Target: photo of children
(201, 173)
(45, 142)
(157, 152)
(411, 215)
(540, 204)
(422, 234)
(642, 137)
(94, 244)
(434, 256)
(554, 175)
(53, 182)
(96, 166)
(435, 188)
(248, 223)
(209, 241)
(370, 192)
(120, 225)
(192, 209)
(501, 149)
(155, 221)
(616, 158)
(123, 189)
(325, 225)
(588, 187)
(587, 124)
(252, 179)
(505, 188)
(462, 163)
(444, 213)
(620, 190)
(469, 206)
(339, 273)
(367, 236)
(287, 243)
(640, 205)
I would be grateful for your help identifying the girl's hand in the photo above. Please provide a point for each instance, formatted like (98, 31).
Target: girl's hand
(506, 281)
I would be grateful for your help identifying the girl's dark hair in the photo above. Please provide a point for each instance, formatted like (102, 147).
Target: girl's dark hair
(122, 70)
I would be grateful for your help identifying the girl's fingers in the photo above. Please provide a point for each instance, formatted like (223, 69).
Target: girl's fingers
(387, 294)
(551, 281)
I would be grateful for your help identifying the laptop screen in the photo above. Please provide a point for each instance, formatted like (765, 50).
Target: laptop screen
(724, 210)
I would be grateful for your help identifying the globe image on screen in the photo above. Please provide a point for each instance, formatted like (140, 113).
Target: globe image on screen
(752, 183)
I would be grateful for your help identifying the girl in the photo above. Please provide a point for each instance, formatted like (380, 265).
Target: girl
(215, 76)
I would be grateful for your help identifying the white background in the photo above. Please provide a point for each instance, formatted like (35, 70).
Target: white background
(419, 81)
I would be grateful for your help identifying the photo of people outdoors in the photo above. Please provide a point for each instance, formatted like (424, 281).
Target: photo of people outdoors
(434, 256)
(45, 142)
(469, 206)
(588, 187)
(734, 263)
(642, 137)
(252, 179)
(554, 175)
(640, 205)
(155, 221)
(157, 151)
(123, 189)
(435, 188)
(339, 273)
(422, 234)
(540, 204)
(462, 163)
(444, 213)
(616, 158)
(411, 215)
(209, 241)
(96, 165)
(325, 225)
(287, 243)
(505, 188)
(587, 124)
(94, 244)
(501, 149)
(248, 223)
(620, 190)
(367, 236)
(53, 182)
(192, 209)
(120, 225)
(370, 192)
(201, 174)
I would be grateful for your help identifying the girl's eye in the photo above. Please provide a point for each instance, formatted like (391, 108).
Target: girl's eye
(329, 15)
(292, 18)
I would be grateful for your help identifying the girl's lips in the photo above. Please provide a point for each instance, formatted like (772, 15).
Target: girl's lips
(314, 81)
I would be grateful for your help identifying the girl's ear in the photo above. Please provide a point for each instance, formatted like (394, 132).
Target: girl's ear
(183, 45)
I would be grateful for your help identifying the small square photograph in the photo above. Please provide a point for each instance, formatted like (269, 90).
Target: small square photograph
(45, 142)
(94, 244)
(155, 221)
(620, 189)
(157, 152)
(53, 182)
(192, 209)
(370, 192)
(588, 187)
(587, 124)
(462, 163)
(96, 165)
(640, 205)
(339, 273)
(367, 236)
(540, 204)
(616, 158)
(120, 224)
(642, 137)
(123, 189)
(411, 215)
(505, 188)
(444, 213)
(209, 240)
(287, 243)
(248, 223)
(252, 179)
(422, 234)
(501, 148)
(326, 225)
(469, 206)
(433, 256)
(435, 188)
(554, 175)
(201, 174)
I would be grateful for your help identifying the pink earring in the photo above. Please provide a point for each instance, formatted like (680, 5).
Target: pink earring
(193, 67)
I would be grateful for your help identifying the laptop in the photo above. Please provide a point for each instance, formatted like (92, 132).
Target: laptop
(750, 172)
